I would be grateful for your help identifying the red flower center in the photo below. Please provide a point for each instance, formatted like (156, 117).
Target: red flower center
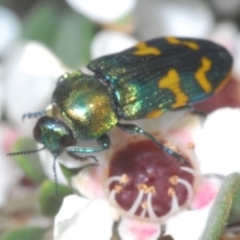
(146, 182)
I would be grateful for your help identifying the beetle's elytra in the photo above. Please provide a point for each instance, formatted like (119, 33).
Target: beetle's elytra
(141, 82)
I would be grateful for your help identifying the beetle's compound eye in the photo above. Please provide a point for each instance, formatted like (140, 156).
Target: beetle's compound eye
(68, 140)
(37, 133)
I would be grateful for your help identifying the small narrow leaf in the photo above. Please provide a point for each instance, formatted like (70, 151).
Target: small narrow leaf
(220, 211)
(50, 200)
(235, 210)
(26, 234)
(40, 24)
(73, 38)
(69, 172)
(30, 164)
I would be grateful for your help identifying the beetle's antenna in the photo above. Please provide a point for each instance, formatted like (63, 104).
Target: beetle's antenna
(55, 174)
(25, 152)
(34, 115)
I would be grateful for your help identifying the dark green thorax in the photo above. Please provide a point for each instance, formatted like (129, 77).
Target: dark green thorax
(85, 105)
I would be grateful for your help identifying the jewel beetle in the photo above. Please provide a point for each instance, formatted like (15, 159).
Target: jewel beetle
(143, 81)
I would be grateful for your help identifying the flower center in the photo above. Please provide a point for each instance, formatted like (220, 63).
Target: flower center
(146, 182)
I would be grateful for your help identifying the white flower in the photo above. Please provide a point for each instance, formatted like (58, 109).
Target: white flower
(30, 76)
(139, 218)
(168, 18)
(9, 28)
(76, 222)
(108, 42)
(103, 11)
(218, 145)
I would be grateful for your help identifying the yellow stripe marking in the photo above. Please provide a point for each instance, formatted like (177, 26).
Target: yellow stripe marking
(224, 82)
(143, 49)
(200, 75)
(189, 44)
(154, 114)
(171, 81)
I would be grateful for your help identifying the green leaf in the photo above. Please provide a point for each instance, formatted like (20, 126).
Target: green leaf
(30, 164)
(69, 172)
(50, 200)
(41, 23)
(235, 210)
(73, 38)
(26, 234)
(220, 211)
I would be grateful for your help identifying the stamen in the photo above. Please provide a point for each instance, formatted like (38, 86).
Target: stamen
(142, 187)
(111, 180)
(190, 170)
(171, 192)
(151, 190)
(136, 204)
(174, 208)
(189, 188)
(124, 179)
(112, 196)
(143, 213)
(151, 212)
(146, 189)
(174, 180)
(118, 188)
(144, 205)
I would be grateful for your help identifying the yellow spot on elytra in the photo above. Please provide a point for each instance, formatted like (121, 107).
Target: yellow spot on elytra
(124, 179)
(118, 188)
(154, 114)
(143, 49)
(146, 189)
(189, 44)
(171, 81)
(171, 192)
(174, 180)
(224, 82)
(144, 205)
(200, 75)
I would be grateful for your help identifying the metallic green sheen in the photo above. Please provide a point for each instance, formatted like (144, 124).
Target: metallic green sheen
(85, 105)
(53, 134)
(135, 78)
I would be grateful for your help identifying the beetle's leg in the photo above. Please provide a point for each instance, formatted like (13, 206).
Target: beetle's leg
(134, 129)
(191, 110)
(103, 141)
(197, 112)
(34, 115)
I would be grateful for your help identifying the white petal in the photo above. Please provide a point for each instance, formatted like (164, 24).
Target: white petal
(30, 77)
(9, 29)
(9, 172)
(89, 182)
(188, 225)
(1, 89)
(46, 159)
(102, 11)
(47, 162)
(227, 8)
(130, 229)
(107, 42)
(83, 219)
(218, 146)
(175, 18)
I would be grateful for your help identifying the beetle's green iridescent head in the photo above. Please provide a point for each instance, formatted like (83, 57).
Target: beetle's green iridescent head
(53, 134)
